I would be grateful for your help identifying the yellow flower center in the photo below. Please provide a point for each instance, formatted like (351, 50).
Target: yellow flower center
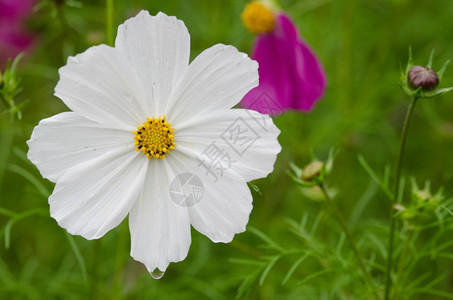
(154, 138)
(257, 18)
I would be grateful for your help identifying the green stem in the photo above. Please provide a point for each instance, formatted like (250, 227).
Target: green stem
(6, 139)
(399, 162)
(62, 19)
(94, 271)
(109, 23)
(120, 261)
(350, 240)
(402, 261)
(66, 33)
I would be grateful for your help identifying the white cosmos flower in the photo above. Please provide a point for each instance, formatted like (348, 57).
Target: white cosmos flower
(197, 161)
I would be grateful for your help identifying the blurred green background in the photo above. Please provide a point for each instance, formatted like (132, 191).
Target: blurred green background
(362, 45)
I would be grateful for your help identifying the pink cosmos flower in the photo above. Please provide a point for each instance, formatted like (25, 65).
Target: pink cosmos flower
(13, 36)
(291, 77)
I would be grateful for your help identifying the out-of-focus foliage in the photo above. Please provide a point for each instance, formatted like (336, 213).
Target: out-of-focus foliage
(293, 247)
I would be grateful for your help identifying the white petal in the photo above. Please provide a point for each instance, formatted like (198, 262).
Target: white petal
(158, 49)
(67, 139)
(224, 206)
(234, 142)
(160, 229)
(99, 84)
(223, 212)
(217, 79)
(94, 197)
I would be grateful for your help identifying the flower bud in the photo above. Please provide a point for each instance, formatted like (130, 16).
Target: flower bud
(409, 215)
(423, 196)
(312, 170)
(258, 18)
(398, 207)
(426, 200)
(423, 77)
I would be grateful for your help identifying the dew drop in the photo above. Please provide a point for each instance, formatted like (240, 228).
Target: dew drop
(157, 274)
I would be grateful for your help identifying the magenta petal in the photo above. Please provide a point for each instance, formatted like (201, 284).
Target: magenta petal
(14, 37)
(15, 9)
(291, 77)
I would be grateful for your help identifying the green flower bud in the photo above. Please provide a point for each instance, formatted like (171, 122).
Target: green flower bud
(422, 208)
(315, 173)
(425, 201)
(409, 214)
(423, 196)
(312, 170)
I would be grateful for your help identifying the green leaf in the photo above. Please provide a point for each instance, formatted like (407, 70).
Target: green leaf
(247, 283)
(442, 91)
(441, 72)
(298, 181)
(443, 294)
(430, 61)
(255, 188)
(246, 262)
(362, 203)
(294, 267)
(266, 239)
(314, 275)
(447, 209)
(6, 212)
(374, 176)
(410, 62)
(330, 159)
(31, 178)
(17, 218)
(16, 62)
(268, 268)
(77, 254)
(295, 168)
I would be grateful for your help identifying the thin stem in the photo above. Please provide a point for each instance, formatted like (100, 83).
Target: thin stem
(66, 30)
(119, 261)
(67, 34)
(402, 261)
(350, 240)
(6, 138)
(399, 163)
(109, 23)
(62, 19)
(94, 271)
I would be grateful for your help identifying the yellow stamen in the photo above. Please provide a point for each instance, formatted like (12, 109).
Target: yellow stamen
(154, 138)
(257, 18)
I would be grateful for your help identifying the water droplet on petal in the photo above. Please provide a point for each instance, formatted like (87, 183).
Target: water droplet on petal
(157, 274)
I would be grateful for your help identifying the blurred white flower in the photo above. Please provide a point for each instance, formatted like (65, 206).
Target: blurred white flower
(155, 138)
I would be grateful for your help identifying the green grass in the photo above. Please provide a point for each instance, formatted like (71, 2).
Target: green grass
(293, 247)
